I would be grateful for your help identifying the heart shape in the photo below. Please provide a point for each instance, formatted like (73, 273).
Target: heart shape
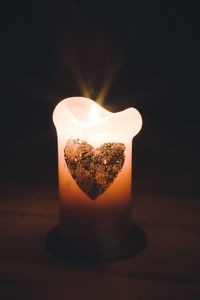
(94, 169)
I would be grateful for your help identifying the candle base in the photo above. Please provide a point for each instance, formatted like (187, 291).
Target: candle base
(135, 243)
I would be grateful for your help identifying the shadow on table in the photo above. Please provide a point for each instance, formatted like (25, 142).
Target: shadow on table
(136, 243)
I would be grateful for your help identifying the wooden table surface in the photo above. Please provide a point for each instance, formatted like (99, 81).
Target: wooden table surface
(168, 268)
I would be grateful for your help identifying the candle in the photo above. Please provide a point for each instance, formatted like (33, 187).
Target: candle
(95, 175)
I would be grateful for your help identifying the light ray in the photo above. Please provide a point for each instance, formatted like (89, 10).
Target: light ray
(115, 67)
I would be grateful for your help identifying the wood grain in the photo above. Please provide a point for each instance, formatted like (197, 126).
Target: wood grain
(169, 267)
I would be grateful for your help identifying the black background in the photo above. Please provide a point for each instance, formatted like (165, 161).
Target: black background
(151, 49)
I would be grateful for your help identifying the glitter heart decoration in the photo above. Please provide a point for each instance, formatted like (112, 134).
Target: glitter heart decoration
(94, 169)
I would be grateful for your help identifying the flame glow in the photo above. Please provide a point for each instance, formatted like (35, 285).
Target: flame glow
(94, 115)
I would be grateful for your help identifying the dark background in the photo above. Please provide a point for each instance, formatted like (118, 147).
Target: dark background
(149, 50)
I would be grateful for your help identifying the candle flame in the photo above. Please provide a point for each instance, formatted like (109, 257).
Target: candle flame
(93, 114)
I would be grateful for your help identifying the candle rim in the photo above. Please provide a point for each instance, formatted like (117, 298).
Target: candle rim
(82, 99)
(106, 118)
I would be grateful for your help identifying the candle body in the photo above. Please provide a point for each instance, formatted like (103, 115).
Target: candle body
(94, 214)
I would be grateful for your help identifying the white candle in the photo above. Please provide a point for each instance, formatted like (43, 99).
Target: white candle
(95, 173)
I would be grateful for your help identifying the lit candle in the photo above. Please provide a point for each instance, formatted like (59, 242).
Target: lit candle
(95, 174)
